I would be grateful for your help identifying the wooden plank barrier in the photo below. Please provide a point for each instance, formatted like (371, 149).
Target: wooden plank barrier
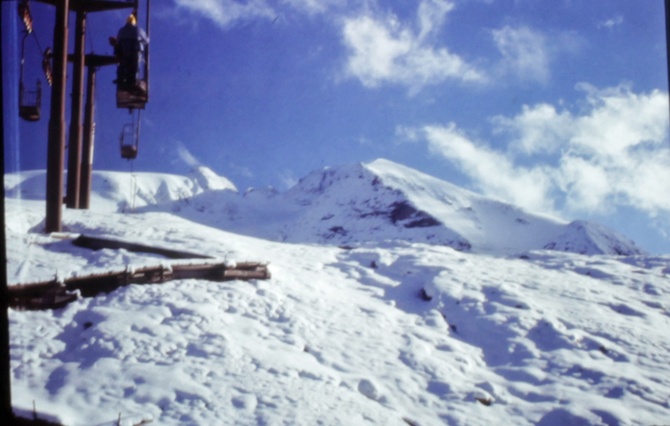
(98, 243)
(57, 293)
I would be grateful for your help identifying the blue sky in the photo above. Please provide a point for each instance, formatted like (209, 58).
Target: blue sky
(558, 106)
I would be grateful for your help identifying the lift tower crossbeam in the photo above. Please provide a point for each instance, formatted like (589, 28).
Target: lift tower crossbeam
(94, 5)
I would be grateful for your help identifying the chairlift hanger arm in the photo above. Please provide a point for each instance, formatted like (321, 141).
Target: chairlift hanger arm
(95, 60)
(95, 6)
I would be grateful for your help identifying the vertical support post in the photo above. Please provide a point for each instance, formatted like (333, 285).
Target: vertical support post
(146, 52)
(56, 141)
(667, 39)
(74, 145)
(5, 367)
(89, 140)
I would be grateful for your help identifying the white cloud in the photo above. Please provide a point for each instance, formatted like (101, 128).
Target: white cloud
(185, 155)
(619, 120)
(287, 179)
(406, 134)
(613, 152)
(524, 52)
(241, 170)
(431, 16)
(585, 184)
(540, 129)
(316, 6)
(382, 51)
(611, 23)
(493, 172)
(226, 12)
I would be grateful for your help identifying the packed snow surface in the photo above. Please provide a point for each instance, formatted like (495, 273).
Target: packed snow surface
(391, 329)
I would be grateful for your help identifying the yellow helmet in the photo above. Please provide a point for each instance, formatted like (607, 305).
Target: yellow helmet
(131, 19)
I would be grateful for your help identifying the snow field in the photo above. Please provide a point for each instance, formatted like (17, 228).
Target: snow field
(345, 336)
(394, 328)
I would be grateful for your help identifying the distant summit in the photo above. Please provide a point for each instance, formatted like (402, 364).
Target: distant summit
(384, 200)
(348, 205)
(592, 238)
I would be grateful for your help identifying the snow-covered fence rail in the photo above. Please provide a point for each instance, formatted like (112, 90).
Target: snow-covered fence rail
(57, 293)
(97, 243)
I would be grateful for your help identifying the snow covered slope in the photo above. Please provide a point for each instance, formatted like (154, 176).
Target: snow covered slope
(387, 333)
(119, 191)
(382, 201)
(348, 205)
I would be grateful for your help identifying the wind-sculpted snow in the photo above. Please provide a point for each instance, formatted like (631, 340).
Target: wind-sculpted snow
(387, 333)
(346, 205)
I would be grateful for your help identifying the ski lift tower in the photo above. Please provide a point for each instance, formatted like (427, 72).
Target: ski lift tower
(56, 138)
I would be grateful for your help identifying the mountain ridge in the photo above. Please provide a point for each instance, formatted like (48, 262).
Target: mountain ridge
(347, 205)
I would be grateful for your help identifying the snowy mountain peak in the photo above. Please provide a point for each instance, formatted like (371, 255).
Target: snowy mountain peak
(385, 200)
(353, 204)
(591, 238)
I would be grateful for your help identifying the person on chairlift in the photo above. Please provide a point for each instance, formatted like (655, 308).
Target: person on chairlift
(129, 46)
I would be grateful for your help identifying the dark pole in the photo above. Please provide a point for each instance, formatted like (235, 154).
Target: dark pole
(5, 370)
(74, 146)
(56, 142)
(667, 36)
(146, 62)
(89, 140)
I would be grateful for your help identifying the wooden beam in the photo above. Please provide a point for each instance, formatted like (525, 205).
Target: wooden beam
(55, 293)
(97, 243)
(95, 6)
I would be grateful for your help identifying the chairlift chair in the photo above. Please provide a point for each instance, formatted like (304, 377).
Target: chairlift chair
(131, 89)
(128, 152)
(129, 141)
(30, 102)
(132, 97)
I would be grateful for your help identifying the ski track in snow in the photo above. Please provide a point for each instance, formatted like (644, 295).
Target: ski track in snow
(389, 333)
